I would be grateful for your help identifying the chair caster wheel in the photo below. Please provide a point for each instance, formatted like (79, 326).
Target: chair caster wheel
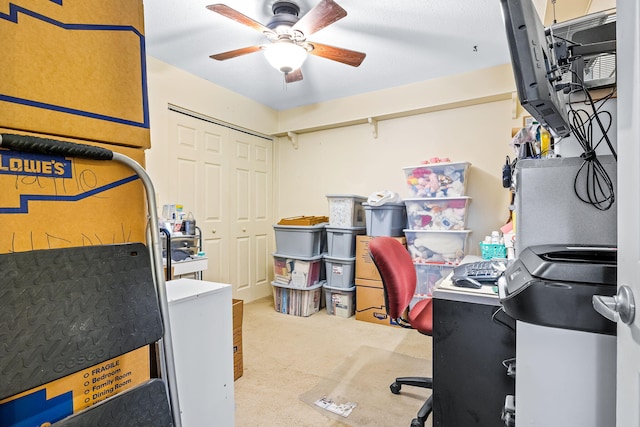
(395, 388)
(416, 423)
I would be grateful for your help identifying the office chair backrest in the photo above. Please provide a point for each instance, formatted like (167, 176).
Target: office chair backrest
(397, 271)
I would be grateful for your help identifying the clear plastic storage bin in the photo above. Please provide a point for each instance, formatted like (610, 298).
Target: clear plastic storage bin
(345, 210)
(298, 272)
(437, 246)
(295, 301)
(429, 276)
(340, 301)
(300, 241)
(385, 220)
(437, 213)
(438, 179)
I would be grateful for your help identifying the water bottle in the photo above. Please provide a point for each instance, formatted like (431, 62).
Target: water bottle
(190, 225)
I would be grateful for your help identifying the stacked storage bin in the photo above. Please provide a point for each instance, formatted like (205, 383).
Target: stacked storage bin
(346, 221)
(297, 288)
(388, 219)
(436, 218)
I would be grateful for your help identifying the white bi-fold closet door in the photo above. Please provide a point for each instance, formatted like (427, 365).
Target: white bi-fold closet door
(224, 176)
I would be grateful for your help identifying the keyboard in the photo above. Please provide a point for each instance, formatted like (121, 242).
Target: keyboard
(482, 271)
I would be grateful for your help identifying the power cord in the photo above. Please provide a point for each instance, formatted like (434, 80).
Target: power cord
(597, 187)
(494, 318)
(506, 173)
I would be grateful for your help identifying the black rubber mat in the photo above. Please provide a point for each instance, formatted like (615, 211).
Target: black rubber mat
(64, 310)
(145, 405)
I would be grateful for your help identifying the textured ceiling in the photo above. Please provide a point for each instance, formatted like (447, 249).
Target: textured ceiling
(406, 41)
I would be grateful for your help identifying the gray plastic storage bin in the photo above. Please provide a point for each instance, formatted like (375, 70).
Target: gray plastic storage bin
(300, 241)
(341, 242)
(340, 301)
(340, 271)
(386, 220)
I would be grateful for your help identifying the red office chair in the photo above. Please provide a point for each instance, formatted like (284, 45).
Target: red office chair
(399, 281)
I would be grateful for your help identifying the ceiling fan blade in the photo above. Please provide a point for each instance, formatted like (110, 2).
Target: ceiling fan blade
(324, 13)
(293, 76)
(230, 13)
(346, 56)
(235, 53)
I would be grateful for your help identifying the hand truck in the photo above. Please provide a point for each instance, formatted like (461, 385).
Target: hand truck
(65, 310)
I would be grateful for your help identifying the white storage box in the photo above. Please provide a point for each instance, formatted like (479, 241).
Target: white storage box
(341, 242)
(345, 210)
(340, 271)
(297, 302)
(429, 276)
(339, 301)
(437, 213)
(298, 272)
(386, 220)
(300, 240)
(437, 246)
(438, 179)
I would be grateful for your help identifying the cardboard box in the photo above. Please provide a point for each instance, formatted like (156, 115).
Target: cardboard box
(365, 268)
(370, 305)
(238, 367)
(164, 269)
(75, 68)
(54, 202)
(68, 395)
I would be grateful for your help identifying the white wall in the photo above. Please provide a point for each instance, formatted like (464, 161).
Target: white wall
(489, 84)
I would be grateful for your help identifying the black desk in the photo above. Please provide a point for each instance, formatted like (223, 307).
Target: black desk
(470, 382)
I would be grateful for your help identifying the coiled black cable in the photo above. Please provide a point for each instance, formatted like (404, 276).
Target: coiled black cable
(592, 183)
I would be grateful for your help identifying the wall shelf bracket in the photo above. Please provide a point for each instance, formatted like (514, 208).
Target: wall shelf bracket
(374, 126)
(293, 138)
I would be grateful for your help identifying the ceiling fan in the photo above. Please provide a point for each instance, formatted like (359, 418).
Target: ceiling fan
(288, 36)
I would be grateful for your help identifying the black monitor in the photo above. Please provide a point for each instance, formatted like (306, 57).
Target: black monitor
(534, 66)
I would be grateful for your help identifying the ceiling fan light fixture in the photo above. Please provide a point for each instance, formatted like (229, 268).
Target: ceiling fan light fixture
(287, 34)
(285, 56)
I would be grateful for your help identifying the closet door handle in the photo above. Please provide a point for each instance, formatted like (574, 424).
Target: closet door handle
(618, 307)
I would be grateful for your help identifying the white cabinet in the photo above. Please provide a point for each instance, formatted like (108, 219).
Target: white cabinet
(202, 333)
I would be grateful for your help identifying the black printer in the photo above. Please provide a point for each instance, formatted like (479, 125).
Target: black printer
(553, 285)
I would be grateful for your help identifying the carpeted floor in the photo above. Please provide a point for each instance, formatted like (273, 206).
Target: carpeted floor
(290, 360)
(363, 378)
